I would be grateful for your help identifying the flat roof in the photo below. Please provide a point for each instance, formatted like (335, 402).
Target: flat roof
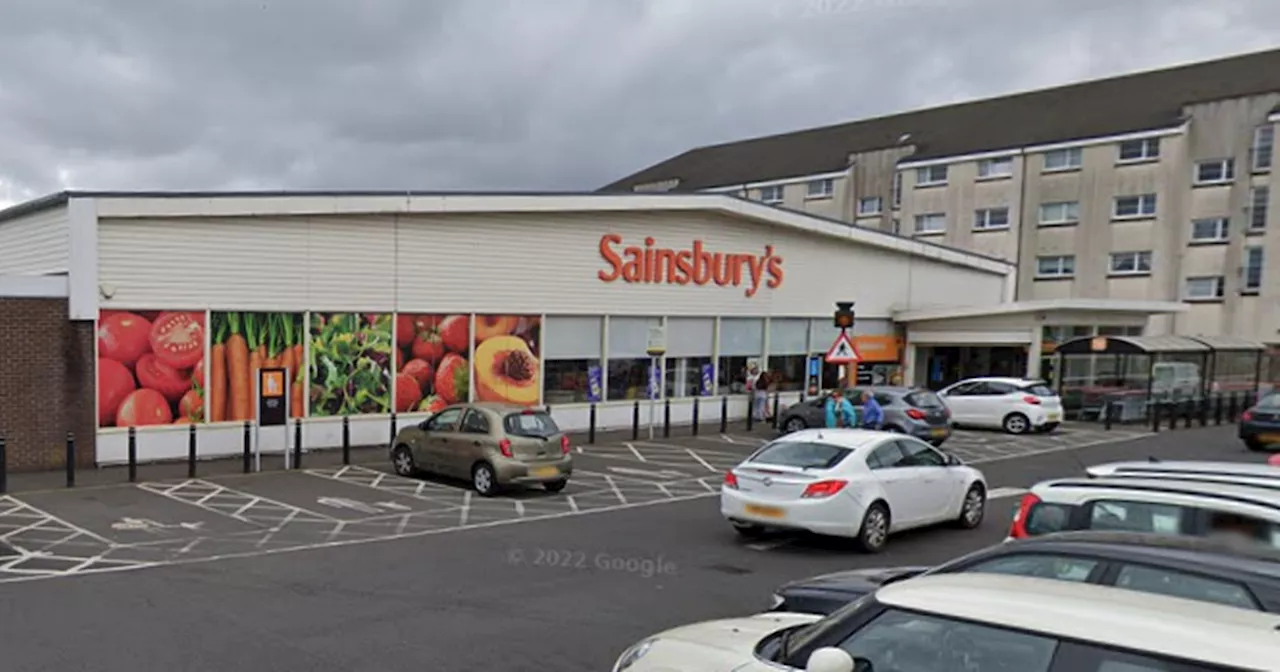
(1045, 306)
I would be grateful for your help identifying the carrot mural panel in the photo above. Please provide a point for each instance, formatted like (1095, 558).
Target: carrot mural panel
(151, 368)
(506, 361)
(242, 343)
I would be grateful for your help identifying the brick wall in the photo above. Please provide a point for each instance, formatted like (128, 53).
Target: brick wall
(47, 384)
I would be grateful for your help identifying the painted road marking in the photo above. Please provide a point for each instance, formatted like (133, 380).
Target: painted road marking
(635, 452)
(1002, 493)
(700, 460)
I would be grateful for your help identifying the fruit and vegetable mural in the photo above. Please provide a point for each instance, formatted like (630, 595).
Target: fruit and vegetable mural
(151, 367)
(350, 363)
(240, 345)
(506, 360)
(432, 367)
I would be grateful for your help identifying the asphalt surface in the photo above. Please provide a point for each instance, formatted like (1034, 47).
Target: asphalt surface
(334, 568)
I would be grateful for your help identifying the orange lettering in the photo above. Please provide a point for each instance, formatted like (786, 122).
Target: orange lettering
(693, 265)
(633, 269)
(610, 257)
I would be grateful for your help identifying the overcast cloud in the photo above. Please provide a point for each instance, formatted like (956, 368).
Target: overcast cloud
(520, 94)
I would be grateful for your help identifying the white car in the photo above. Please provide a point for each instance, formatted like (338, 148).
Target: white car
(1016, 405)
(851, 483)
(974, 621)
(1189, 470)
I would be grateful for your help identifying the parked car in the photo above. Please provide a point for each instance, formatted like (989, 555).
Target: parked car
(492, 445)
(1163, 506)
(974, 621)
(851, 483)
(1190, 470)
(907, 410)
(1259, 425)
(1190, 567)
(1015, 405)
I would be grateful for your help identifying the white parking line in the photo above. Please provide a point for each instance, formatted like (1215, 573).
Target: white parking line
(769, 545)
(635, 452)
(700, 460)
(1002, 493)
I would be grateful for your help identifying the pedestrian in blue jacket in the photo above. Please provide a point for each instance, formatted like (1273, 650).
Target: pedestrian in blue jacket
(840, 412)
(872, 414)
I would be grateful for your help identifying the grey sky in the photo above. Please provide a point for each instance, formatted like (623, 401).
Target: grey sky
(520, 94)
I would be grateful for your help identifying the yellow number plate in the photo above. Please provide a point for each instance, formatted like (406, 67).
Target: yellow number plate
(765, 511)
(544, 472)
(937, 432)
(1053, 417)
(1269, 438)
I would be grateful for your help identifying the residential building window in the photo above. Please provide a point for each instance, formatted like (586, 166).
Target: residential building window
(771, 193)
(820, 189)
(1145, 149)
(1063, 159)
(1215, 171)
(1204, 288)
(1059, 213)
(869, 205)
(1258, 208)
(1251, 274)
(1001, 167)
(1212, 230)
(931, 175)
(934, 222)
(1131, 263)
(991, 218)
(897, 190)
(1133, 207)
(1058, 266)
(1264, 142)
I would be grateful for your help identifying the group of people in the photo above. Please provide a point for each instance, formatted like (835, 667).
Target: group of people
(840, 411)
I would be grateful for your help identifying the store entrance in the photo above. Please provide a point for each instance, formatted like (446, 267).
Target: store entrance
(942, 366)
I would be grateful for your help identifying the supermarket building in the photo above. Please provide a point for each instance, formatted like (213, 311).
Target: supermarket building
(146, 309)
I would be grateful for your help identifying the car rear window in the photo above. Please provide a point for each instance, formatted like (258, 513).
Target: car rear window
(1136, 517)
(924, 400)
(1046, 518)
(801, 454)
(538, 424)
(1040, 390)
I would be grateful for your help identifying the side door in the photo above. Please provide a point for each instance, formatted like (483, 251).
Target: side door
(429, 453)
(939, 485)
(891, 468)
(960, 399)
(1186, 585)
(468, 444)
(1056, 566)
(992, 402)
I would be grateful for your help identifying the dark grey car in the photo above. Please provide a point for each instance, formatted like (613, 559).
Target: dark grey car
(907, 410)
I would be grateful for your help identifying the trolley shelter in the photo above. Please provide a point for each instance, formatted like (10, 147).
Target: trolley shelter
(1133, 373)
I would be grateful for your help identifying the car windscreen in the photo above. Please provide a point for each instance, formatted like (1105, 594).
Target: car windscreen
(800, 454)
(535, 424)
(1271, 401)
(924, 399)
(1039, 390)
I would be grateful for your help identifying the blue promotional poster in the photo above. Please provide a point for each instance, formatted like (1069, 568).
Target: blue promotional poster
(655, 381)
(595, 384)
(708, 380)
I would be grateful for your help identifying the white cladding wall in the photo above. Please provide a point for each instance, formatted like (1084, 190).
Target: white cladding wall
(35, 244)
(546, 263)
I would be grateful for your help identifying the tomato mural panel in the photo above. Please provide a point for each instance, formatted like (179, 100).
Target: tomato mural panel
(432, 367)
(151, 368)
(506, 363)
(350, 364)
(242, 343)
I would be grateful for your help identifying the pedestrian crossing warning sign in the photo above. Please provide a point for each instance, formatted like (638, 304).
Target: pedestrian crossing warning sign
(842, 351)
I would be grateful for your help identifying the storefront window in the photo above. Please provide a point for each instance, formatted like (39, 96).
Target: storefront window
(788, 352)
(741, 345)
(572, 346)
(628, 371)
(690, 341)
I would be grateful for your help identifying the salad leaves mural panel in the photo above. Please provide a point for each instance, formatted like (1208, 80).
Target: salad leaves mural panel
(507, 367)
(243, 343)
(350, 364)
(432, 365)
(151, 368)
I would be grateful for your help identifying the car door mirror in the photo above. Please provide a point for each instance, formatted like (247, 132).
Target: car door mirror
(953, 461)
(831, 659)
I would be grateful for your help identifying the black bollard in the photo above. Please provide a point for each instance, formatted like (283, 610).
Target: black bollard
(751, 415)
(1155, 416)
(392, 440)
(666, 418)
(191, 452)
(776, 404)
(635, 420)
(1231, 408)
(4, 467)
(1187, 414)
(346, 440)
(1217, 409)
(1203, 411)
(248, 447)
(591, 426)
(724, 414)
(1108, 415)
(133, 455)
(1172, 411)
(297, 443)
(71, 460)
(695, 416)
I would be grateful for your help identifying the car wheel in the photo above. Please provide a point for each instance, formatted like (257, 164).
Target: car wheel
(973, 508)
(1016, 423)
(794, 423)
(1254, 445)
(874, 532)
(484, 480)
(1049, 427)
(402, 461)
(748, 531)
(556, 486)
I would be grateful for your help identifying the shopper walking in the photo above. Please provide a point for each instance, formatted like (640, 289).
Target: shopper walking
(872, 413)
(755, 387)
(839, 411)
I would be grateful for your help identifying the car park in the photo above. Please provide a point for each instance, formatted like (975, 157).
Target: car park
(1015, 405)
(955, 622)
(490, 444)
(907, 410)
(851, 483)
(1188, 567)
(1259, 425)
(1162, 506)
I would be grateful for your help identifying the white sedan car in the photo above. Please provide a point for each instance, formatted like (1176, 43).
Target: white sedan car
(851, 483)
(1015, 405)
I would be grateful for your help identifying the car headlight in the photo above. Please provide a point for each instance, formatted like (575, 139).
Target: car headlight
(776, 601)
(632, 655)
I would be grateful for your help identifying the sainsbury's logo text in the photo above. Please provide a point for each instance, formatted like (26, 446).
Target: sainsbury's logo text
(695, 265)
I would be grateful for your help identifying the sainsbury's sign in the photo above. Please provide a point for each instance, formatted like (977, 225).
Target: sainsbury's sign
(694, 265)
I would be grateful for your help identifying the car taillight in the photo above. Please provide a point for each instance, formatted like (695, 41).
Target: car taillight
(730, 481)
(505, 446)
(915, 414)
(564, 444)
(1019, 528)
(1033, 400)
(1247, 415)
(824, 488)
